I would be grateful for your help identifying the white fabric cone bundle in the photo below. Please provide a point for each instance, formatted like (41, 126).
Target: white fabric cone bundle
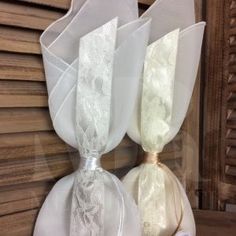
(162, 103)
(89, 56)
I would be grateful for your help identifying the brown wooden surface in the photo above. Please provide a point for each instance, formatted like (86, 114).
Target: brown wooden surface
(219, 133)
(22, 67)
(227, 186)
(213, 223)
(213, 61)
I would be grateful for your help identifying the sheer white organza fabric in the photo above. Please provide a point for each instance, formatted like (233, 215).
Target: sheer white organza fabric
(165, 92)
(89, 56)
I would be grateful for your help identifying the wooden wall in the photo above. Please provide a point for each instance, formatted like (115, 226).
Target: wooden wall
(32, 157)
(219, 131)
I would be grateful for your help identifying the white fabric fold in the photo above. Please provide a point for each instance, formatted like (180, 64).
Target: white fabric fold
(160, 109)
(168, 15)
(87, 60)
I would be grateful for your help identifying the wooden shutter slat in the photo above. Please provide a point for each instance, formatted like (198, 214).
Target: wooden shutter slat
(23, 101)
(45, 168)
(65, 4)
(231, 124)
(35, 169)
(27, 16)
(21, 60)
(38, 150)
(231, 161)
(231, 134)
(24, 191)
(22, 88)
(40, 144)
(28, 139)
(23, 145)
(24, 120)
(21, 67)
(228, 192)
(230, 170)
(23, 94)
(19, 40)
(20, 224)
(23, 197)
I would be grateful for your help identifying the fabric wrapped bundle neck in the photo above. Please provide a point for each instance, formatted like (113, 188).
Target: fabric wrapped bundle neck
(169, 75)
(88, 56)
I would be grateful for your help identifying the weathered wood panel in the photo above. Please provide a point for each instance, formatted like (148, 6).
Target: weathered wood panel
(25, 67)
(24, 120)
(219, 165)
(19, 40)
(26, 16)
(213, 61)
(23, 94)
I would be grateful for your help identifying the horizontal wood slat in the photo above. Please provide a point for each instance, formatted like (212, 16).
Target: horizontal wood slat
(23, 197)
(23, 101)
(20, 224)
(23, 94)
(64, 4)
(26, 145)
(42, 167)
(21, 67)
(26, 16)
(45, 168)
(22, 88)
(35, 169)
(24, 120)
(32, 17)
(19, 40)
(230, 170)
(228, 193)
(215, 223)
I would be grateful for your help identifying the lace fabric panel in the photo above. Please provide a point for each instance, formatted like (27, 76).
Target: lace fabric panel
(87, 204)
(157, 189)
(94, 89)
(158, 89)
(93, 103)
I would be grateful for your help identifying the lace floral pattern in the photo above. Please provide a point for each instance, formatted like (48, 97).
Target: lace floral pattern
(93, 104)
(158, 88)
(94, 89)
(87, 203)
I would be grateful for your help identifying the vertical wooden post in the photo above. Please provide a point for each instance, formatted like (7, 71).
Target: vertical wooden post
(212, 103)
